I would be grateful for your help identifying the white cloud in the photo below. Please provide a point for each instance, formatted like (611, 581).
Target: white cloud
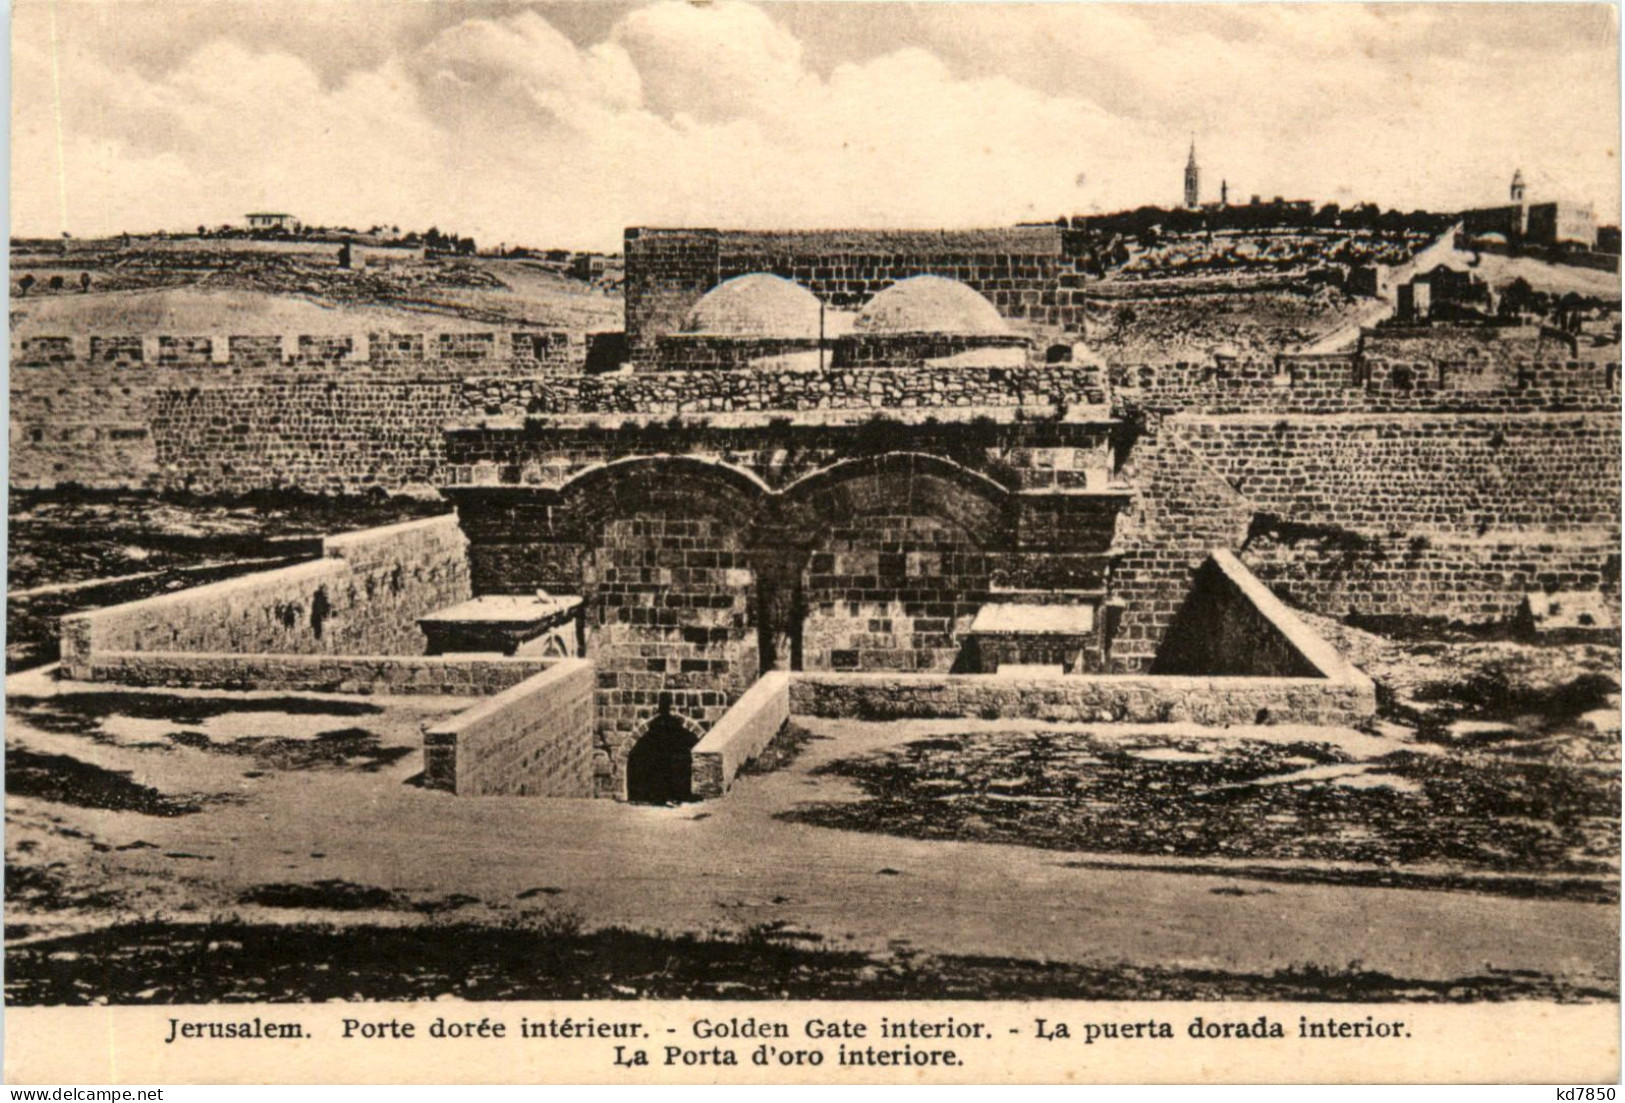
(496, 123)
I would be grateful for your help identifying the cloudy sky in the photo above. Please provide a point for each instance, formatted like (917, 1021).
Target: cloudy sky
(558, 124)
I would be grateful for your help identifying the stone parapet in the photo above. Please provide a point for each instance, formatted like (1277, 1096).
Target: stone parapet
(533, 739)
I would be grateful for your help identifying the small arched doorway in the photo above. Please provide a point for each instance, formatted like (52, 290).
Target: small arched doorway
(659, 769)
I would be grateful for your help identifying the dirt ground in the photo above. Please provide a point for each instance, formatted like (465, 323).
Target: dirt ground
(164, 846)
(245, 287)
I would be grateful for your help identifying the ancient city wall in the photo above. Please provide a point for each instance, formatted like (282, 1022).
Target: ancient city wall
(324, 414)
(1420, 473)
(1337, 384)
(343, 415)
(1420, 578)
(533, 740)
(1450, 517)
(363, 597)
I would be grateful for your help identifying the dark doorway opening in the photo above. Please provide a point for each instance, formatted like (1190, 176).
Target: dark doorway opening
(659, 767)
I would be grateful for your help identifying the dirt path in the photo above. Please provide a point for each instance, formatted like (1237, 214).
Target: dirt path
(731, 864)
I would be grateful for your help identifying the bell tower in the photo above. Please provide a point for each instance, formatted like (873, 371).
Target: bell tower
(1521, 203)
(1193, 179)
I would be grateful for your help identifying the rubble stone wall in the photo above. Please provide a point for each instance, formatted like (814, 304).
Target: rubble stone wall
(792, 389)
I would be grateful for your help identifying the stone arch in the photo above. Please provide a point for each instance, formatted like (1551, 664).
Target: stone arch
(886, 559)
(669, 604)
(973, 501)
(620, 487)
(659, 760)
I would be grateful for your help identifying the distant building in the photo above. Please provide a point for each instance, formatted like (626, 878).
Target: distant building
(262, 220)
(1415, 300)
(1370, 280)
(1558, 224)
(1462, 294)
(586, 266)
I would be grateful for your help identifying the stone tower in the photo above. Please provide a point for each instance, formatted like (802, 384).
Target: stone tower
(1193, 179)
(1519, 201)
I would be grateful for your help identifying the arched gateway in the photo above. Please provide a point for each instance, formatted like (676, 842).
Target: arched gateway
(660, 765)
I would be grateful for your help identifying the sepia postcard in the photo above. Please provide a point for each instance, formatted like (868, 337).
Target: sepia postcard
(841, 543)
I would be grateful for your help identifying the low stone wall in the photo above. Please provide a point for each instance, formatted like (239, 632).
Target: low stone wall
(533, 740)
(1103, 699)
(741, 734)
(363, 597)
(450, 675)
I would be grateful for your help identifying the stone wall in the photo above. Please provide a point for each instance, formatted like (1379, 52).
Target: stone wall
(1024, 271)
(670, 620)
(870, 350)
(790, 390)
(324, 414)
(1182, 511)
(741, 734)
(696, 574)
(1440, 516)
(533, 740)
(1403, 578)
(1420, 474)
(342, 415)
(363, 597)
(1073, 698)
(1342, 383)
(434, 675)
(1025, 448)
(685, 352)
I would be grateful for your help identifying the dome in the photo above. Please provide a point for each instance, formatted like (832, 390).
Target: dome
(757, 305)
(931, 304)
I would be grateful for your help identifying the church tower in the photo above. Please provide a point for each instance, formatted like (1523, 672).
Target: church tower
(1193, 179)
(1521, 203)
